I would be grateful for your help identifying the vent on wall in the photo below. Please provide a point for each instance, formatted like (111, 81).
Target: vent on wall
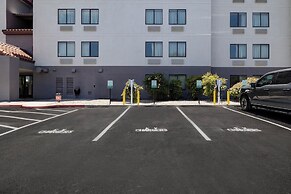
(59, 85)
(70, 86)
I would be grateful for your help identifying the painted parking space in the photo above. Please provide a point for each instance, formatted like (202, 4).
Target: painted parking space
(147, 150)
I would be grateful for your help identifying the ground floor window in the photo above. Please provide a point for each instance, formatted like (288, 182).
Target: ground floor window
(180, 77)
(236, 78)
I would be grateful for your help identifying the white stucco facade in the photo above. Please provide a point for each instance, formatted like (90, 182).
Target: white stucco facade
(122, 32)
(2, 19)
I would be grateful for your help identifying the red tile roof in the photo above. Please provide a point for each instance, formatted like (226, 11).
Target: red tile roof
(17, 31)
(13, 51)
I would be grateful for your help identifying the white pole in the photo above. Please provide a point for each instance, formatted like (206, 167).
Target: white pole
(131, 91)
(218, 92)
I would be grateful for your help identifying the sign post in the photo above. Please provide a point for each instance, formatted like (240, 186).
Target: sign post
(154, 86)
(198, 89)
(131, 83)
(110, 87)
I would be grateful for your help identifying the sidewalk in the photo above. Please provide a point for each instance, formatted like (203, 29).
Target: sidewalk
(102, 102)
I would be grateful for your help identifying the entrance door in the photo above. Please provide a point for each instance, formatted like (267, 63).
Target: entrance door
(25, 86)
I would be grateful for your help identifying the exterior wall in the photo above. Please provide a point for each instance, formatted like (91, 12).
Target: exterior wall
(9, 78)
(2, 19)
(277, 35)
(92, 81)
(122, 32)
(22, 41)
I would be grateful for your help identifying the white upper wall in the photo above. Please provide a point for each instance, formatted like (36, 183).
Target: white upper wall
(122, 32)
(2, 20)
(278, 35)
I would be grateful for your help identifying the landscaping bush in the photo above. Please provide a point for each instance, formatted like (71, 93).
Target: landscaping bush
(175, 90)
(191, 86)
(161, 93)
(209, 82)
(235, 89)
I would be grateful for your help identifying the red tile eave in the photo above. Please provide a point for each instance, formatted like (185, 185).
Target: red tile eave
(17, 31)
(13, 51)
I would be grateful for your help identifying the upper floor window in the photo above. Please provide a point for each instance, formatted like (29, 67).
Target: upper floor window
(177, 49)
(154, 17)
(90, 16)
(238, 19)
(261, 51)
(90, 49)
(238, 51)
(66, 16)
(260, 19)
(66, 49)
(154, 49)
(177, 16)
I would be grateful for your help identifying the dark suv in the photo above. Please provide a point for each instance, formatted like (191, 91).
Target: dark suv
(272, 91)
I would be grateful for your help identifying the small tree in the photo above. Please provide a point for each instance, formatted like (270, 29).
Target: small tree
(175, 90)
(191, 85)
(235, 89)
(209, 82)
(161, 92)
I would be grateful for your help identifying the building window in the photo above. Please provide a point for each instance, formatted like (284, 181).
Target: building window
(154, 17)
(154, 49)
(260, 19)
(261, 51)
(66, 49)
(177, 16)
(66, 16)
(177, 49)
(238, 51)
(90, 49)
(238, 19)
(90, 16)
(236, 78)
(180, 77)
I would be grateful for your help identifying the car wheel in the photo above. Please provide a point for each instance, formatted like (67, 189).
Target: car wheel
(245, 103)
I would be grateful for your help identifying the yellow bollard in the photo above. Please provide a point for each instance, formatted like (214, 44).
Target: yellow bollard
(228, 97)
(214, 97)
(123, 97)
(138, 97)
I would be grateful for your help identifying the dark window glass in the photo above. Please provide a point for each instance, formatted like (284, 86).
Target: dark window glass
(154, 17)
(238, 19)
(284, 77)
(66, 16)
(177, 16)
(236, 78)
(266, 80)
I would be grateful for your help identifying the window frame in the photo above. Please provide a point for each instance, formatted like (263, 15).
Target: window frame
(66, 23)
(90, 47)
(177, 12)
(154, 44)
(90, 14)
(66, 42)
(237, 52)
(177, 47)
(238, 14)
(261, 13)
(261, 51)
(154, 15)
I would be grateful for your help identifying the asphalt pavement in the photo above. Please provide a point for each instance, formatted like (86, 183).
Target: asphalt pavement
(149, 149)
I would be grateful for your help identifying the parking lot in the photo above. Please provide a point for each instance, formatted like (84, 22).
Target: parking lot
(166, 149)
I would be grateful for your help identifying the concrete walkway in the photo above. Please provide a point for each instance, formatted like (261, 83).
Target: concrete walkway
(101, 102)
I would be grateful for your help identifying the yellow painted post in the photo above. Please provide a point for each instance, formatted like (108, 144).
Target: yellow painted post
(123, 97)
(214, 97)
(138, 97)
(228, 97)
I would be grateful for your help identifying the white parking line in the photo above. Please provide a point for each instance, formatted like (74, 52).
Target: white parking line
(31, 124)
(9, 127)
(260, 119)
(53, 110)
(110, 125)
(19, 118)
(27, 112)
(194, 125)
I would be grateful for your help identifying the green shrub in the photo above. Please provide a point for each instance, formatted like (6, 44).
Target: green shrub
(175, 90)
(191, 86)
(235, 89)
(209, 82)
(161, 93)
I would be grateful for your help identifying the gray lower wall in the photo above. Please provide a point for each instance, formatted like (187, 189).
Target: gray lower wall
(88, 77)
(9, 78)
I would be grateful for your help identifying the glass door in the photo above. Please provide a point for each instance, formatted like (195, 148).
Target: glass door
(25, 86)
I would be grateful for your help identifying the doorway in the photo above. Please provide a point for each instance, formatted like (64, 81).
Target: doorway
(25, 86)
